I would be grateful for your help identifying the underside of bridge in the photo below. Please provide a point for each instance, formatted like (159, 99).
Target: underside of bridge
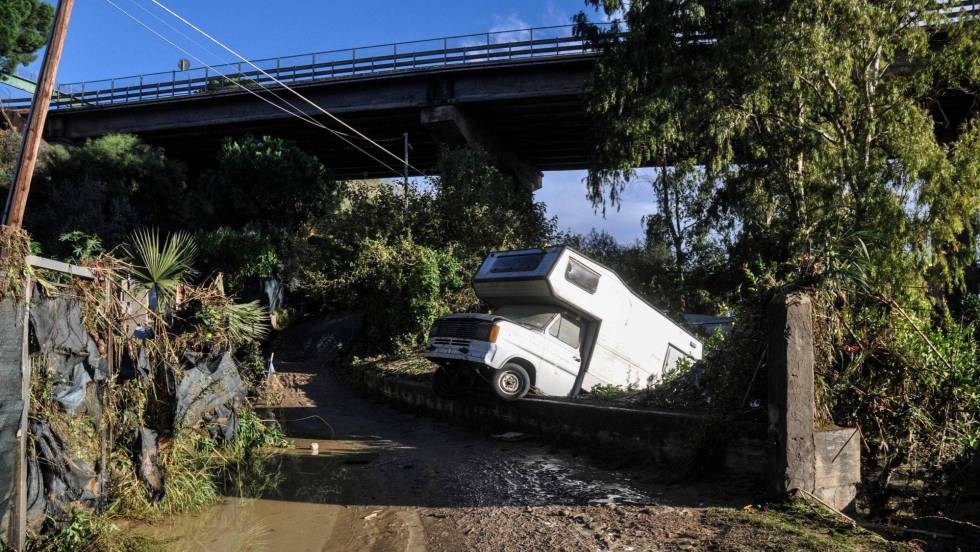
(528, 114)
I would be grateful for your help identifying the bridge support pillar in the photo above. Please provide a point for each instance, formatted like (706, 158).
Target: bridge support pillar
(451, 125)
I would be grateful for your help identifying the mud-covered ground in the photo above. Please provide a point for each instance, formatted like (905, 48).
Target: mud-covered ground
(386, 480)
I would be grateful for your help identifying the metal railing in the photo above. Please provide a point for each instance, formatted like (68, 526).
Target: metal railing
(401, 56)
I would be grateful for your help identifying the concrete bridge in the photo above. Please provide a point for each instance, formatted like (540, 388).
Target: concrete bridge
(519, 94)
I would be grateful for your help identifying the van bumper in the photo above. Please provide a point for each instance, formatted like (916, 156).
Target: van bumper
(476, 352)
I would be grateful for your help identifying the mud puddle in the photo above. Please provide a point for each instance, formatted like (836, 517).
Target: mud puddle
(300, 506)
(370, 493)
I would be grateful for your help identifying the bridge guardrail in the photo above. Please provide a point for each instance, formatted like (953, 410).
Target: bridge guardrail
(317, 66)
(530, 43)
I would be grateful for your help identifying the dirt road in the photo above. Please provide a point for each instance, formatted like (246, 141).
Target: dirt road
(388, 481)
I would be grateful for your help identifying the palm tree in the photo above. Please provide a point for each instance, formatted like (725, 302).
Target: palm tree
(160, 265)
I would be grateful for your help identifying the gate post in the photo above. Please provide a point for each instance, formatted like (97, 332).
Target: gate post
(792, 463)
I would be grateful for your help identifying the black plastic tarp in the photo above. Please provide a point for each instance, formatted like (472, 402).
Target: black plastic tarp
(67, 482)
(70, 354)
(210, 392)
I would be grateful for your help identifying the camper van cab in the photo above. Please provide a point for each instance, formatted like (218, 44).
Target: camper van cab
(561, 323)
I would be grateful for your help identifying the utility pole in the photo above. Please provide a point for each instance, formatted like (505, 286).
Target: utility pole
(405, 184)
(13, 213)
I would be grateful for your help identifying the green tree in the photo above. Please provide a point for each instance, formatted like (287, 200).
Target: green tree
(686, 232)
(814, 116)
(403, 288)
(484, 209)
(24, 26)
(10, 141)
(267, 181)
(107, 187)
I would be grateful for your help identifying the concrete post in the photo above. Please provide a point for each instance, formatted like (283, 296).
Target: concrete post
(792, 463)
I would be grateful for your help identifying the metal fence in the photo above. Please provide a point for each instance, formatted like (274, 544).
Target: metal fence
(401, 56)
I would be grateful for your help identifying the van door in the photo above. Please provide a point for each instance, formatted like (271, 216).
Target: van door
(562, 355)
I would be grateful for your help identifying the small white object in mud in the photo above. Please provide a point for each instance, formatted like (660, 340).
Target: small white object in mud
(314, 448)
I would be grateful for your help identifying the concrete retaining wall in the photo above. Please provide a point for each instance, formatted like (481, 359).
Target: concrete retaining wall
(667, 438)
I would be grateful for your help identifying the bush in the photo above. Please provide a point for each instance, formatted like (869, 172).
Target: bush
(107, 187)
(913, 389)
(403, 287)
(267, 181)
(244, 255)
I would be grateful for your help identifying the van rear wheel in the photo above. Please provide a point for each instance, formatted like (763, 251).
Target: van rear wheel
(511, 382)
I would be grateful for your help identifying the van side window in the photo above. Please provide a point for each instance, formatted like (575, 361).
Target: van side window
(582, 276)
(567, 329)
(674, 356)
(525, 262)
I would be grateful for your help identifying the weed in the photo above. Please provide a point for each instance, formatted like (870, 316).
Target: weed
(86, 532)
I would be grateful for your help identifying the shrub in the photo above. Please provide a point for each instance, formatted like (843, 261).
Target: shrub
(913, 389)
(107, 187)
(403, 289)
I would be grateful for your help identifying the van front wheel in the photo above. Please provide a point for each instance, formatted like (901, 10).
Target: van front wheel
(511, 382)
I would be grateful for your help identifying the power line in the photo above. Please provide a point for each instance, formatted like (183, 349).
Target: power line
(219, 73)
(301, 116)
(284, 85)
(298, 111)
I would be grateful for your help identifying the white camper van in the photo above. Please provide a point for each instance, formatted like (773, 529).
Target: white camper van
(561, 323)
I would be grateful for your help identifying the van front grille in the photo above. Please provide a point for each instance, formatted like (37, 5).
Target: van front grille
(461, 328)
(450, 342)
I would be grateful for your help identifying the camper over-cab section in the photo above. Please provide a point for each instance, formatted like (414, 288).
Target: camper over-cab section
(561, 322)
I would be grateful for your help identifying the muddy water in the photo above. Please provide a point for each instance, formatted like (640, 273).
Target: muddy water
(380, 479)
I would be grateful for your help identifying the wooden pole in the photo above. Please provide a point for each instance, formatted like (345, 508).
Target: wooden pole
(18, 522)
(13, 213)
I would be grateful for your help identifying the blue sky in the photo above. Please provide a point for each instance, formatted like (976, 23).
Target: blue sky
(103, 43)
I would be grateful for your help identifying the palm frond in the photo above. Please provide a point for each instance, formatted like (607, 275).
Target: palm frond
(246, 322)
(161, 263)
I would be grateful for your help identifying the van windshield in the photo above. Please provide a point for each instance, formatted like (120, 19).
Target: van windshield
(535, 316)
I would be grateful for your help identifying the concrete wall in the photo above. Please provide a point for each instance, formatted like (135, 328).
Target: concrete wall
(825, 463)
(667, 438)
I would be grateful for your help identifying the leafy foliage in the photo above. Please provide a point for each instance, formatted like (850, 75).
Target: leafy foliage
(403, 258)
(10, 141)
(267, 181)
(83, 246)
(243, 254)
(920, 392)
(403, 288)
(161, 266)
(804, 120)
(87, 531)
(482, 209)
(24, 28)
(106, 187)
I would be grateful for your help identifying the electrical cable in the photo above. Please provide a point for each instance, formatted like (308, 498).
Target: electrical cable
(302, 117)
(211, 52)
(284, 85)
